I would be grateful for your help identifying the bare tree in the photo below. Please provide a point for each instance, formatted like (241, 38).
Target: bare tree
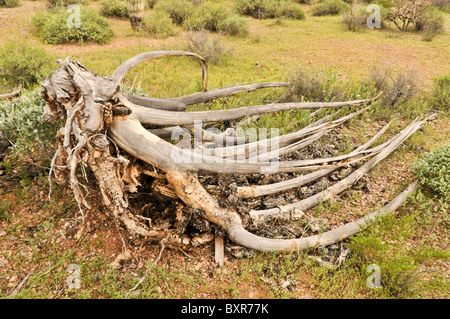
(120, 138)
(407, 12)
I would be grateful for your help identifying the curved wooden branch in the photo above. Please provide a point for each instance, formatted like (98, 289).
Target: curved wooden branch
(14, 93)
(347, 181)
(120, 72)
(240, 235)
(161, 117)
(261, 190)
(226, 91)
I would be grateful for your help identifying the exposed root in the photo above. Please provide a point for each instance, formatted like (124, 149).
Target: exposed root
(104, 132)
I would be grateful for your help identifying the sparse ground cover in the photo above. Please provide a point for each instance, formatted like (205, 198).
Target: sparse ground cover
(39, 238)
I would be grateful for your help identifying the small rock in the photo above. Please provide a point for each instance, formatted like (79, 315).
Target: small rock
(285, 284)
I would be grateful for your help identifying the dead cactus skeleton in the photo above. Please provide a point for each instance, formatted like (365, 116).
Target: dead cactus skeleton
(105, 131)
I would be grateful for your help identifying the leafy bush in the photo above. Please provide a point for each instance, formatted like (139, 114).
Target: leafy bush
(207, 45)
(254, 8)
(65, 3)
(9, 3)
(159, 24)
(431, 23)
(53, 27)
(233, 25)
(32, 140)
(284, 9)
(208, 17)
(23, 63)
(329, 7)
(441, 92)
(433, 170)
(216, 18)
(117, 8)
(178, 10)
(269, 9)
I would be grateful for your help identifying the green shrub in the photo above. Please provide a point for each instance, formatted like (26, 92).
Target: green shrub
(254, 8)
(431, 23)
(216, 18)
(233, 25)
(33, 141)
(284, 9)
(178, 10)
(208, 17)
(159, 24)
(207, 45)
(53, 27)
(433, 170)
(23, 63)
(117, 8)
(65, 3)
(441, 93)
(269, 9)
(9, 3)
(329, 7)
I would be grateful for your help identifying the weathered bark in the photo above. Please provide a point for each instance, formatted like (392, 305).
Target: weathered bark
(104, 130)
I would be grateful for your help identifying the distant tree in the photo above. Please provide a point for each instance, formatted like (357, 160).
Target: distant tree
(407, 12)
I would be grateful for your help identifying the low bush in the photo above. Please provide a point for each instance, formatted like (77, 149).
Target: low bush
(23, 63)
(444, 5)
(54, 28)
(254, 8)
(433, 170)
(65, 3)
(355, 19)
(269, 9)
(117, 8)
(32, 140)
(178, 10)
(312, 85)
(207, 45)
(441, 93)
(216, 18)
(396, 87)
(284, 9)
(431, 24)
(329, 7)
(159, 24)
(9, 3)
